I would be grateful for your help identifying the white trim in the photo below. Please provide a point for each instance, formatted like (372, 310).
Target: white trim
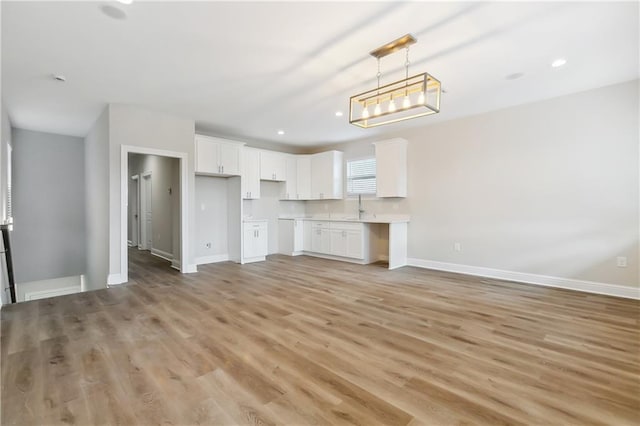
(124, 198)
(113, 279)
(162, 254)
(190, 269)
(175, 264)
(543, 280)
(144, 209)
(203, 260)
(43, 294)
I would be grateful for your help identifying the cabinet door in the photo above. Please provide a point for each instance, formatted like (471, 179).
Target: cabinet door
(320, 176)
(248, 241)
(354, 244)
(325, 241)
(229, 159)
(250, 174)
(207, 156)
(303, 177)
(261, 242)
(290, 187)
(272, 166)
(298, 235)
(326, 175)
(307, 235)
(391, 168)
(316, 240)
(338, 242)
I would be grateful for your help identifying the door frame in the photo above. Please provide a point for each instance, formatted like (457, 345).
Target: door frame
(183, 157)
(142, 224)
(135, 232)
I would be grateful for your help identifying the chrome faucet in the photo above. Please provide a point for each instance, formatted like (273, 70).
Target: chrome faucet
(360, 209)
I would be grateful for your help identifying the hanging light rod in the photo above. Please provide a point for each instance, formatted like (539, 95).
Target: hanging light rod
(393, 46)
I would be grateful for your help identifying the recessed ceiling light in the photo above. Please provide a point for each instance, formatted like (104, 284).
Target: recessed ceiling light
(558, 62)
(514, 76)
(281, 132)
(125, 1)
(338, 113)
(59, 77)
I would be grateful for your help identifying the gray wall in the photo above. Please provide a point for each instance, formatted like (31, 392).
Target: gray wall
(96, 166)
(48, 206)
(548, 188)
(129, 125)
(211, 216)
(164, 175)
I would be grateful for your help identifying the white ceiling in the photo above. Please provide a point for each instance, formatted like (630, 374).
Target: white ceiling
(247, 69)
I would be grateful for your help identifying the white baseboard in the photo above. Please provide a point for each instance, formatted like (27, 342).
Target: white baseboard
(42, 289)
(162, 254)
(543, 280)
(44, 294)
(113, 279)
(191, 268)
(202, 260)
(176, 264)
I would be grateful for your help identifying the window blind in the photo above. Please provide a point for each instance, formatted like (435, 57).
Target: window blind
(361, 176)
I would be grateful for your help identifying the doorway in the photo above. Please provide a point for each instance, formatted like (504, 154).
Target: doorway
(158, 228)
(145, 221)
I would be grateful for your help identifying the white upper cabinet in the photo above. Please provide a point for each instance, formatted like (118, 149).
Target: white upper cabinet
(303, 177)
(250, 181)
(215, 156)
(290, 190)
(326, 175)
(391, 168)
(273, 165)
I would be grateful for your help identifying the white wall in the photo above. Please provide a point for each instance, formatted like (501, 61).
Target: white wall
(164, 176)
(129, 125)
(549, 188)
(96, 167)
(269, 207)
(5, 142)
(48, 199)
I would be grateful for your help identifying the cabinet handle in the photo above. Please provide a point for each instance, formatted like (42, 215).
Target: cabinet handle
(222, 169)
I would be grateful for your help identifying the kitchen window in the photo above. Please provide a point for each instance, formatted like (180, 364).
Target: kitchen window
(361, 176)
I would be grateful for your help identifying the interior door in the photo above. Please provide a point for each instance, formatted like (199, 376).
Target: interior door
(146, 212)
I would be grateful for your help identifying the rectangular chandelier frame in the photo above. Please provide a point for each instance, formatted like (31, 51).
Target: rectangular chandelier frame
(411, 97)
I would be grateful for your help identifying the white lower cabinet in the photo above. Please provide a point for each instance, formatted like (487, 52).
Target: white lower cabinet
(255, 241)
(290, 236)
(344, 239)
(320, 237)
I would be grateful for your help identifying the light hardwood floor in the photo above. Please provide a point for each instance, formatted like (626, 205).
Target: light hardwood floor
(310, 341)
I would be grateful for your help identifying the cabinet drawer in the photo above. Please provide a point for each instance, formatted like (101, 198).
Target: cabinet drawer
(346, 226)
(318, 224)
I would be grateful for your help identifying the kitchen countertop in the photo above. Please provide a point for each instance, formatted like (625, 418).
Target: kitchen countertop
(368, 218)
(251, 219)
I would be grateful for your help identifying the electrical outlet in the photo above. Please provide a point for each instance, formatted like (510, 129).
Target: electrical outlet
(208, 245)
(621, 262)
(457, 247)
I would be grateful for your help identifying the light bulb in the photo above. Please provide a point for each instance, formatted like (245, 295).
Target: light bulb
(421, 98)
(377, 110)
(407, 102)
(365, 113)
(392, 106)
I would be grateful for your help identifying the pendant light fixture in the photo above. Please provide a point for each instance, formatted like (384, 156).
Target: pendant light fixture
(411, 97)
